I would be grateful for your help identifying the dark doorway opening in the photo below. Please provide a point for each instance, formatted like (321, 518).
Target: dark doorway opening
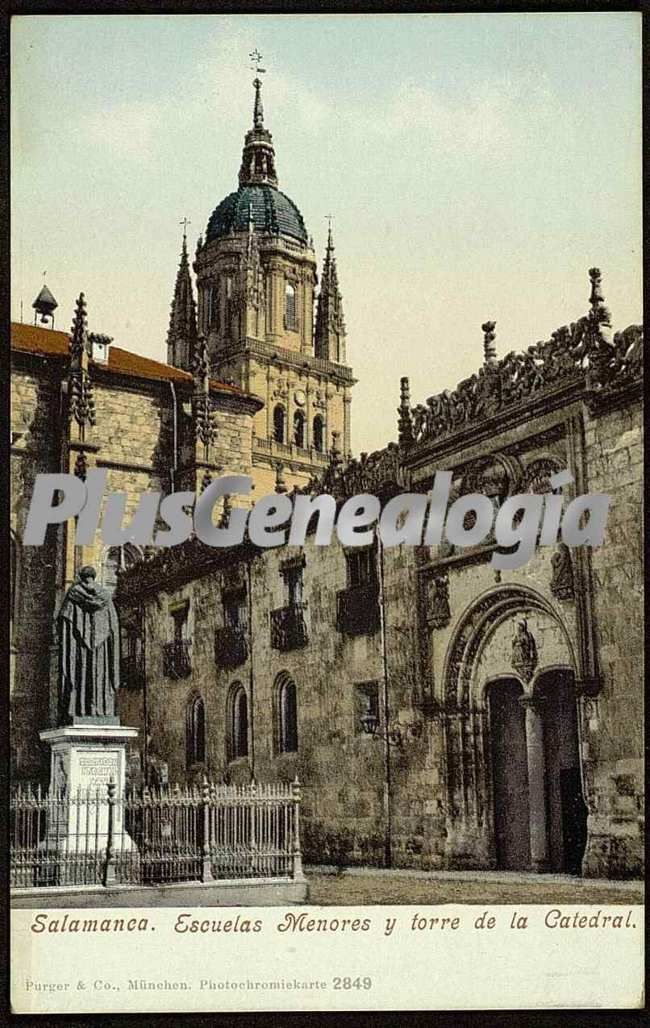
(509, 775)
(566, 811)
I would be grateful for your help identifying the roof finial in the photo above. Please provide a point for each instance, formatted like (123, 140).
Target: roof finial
(489, 349)
(185, 222)
(599, 312)
(330, 241)
(258, 110)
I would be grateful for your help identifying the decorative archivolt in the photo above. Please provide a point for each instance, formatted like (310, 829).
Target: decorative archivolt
(475, 629)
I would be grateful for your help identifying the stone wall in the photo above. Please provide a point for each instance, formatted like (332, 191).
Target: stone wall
(614, 452)
(35, 448)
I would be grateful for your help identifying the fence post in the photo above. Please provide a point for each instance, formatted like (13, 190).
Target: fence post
(252, 839)
(298, 873)
(206, 873)
(109, 866)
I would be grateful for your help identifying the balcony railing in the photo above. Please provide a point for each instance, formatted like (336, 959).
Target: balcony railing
(230, 646)
(177, 661)
(288, 628)
(131, 671)
(357, 610)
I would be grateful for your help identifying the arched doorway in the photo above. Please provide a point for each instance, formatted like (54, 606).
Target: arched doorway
(511, 729)
(509, 774)
(566, 811)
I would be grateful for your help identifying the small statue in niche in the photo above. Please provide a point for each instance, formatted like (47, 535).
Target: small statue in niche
(438, 611)
(562, 573)
(524, 652)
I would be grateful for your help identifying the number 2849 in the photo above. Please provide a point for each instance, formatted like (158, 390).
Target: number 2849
(352, 983)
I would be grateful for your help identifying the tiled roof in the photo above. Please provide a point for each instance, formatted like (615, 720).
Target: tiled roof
(268, 208)
(45, 342)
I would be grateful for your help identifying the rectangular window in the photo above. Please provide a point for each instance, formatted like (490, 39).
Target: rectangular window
(235, 609)
(292, 572)
(179, 617)
(361, 567)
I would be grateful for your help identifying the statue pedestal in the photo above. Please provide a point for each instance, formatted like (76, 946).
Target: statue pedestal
(85, 757)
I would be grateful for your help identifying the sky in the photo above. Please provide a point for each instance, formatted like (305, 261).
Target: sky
(476, 166)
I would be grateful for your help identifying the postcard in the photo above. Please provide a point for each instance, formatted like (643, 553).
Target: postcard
(326, 513)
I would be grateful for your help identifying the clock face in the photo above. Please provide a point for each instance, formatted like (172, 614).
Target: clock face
(299, 397)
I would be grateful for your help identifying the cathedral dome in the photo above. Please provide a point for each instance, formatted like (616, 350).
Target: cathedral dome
(261, 204)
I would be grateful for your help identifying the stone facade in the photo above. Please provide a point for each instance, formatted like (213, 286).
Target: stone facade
(507, 704)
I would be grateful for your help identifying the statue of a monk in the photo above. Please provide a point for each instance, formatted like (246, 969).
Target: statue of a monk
(89, 644)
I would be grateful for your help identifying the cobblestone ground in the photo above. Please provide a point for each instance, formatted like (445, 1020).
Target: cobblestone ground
(358, 889)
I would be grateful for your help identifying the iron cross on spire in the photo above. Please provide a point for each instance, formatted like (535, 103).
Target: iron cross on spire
(256, 60)
(185, 222)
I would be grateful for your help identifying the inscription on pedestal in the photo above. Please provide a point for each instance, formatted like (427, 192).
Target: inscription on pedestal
(97, 769)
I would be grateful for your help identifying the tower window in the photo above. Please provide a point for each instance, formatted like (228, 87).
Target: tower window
(290, 320)
(318, 434)
(212, 307)
(237, 740)
(195, 731)
(278, 423)
(286, 720)
(299, 428)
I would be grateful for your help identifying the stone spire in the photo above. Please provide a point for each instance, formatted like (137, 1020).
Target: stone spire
(329, 335)
(181, 336)
(81, 407)
(258, 157)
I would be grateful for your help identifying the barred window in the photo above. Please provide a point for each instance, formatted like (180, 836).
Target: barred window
(361, 567)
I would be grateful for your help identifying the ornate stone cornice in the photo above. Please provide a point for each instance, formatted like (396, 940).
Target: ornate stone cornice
(170, 567)
(577, 362)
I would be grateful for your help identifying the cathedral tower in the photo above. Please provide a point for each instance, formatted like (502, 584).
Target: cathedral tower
(256, 280)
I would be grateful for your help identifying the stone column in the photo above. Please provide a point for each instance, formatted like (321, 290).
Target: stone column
(536, 784)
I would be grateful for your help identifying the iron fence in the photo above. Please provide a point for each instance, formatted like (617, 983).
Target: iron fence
(155, 836)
